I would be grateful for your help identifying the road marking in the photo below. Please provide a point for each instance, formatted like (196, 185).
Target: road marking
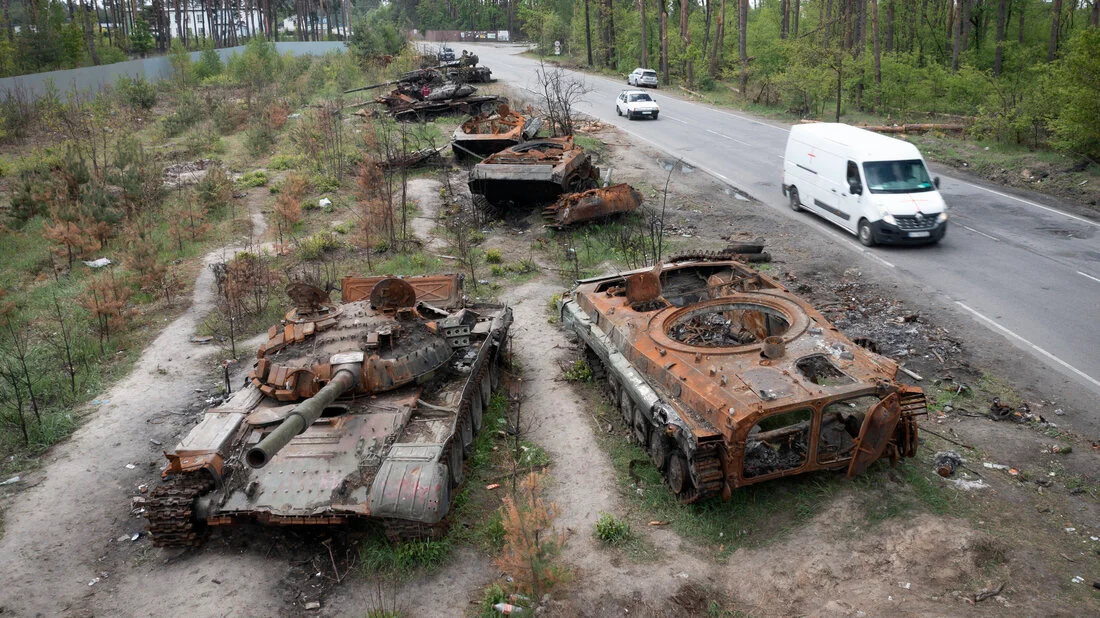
(1030, 203)
(1013, 335)
(1089, 276)
(734, 139)
(967, 227)
(667, 117)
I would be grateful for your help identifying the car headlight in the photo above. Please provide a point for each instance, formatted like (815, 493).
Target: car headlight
(940, 218)
(889, 218)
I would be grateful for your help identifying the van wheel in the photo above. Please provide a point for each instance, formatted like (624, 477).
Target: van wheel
(796, 203)
(866, 237)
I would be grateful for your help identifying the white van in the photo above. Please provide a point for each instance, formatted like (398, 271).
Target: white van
(874, 186)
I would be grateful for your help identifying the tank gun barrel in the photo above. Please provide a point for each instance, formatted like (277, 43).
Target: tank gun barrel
(303, 416)
(370, 87)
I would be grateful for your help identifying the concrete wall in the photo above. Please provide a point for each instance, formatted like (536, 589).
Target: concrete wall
(153, 69)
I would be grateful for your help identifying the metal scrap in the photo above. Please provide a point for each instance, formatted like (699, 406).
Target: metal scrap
(534, 172)
(592, 204)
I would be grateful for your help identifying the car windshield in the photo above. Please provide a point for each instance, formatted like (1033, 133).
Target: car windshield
(640, 97)
(897, 176)
(649, 74)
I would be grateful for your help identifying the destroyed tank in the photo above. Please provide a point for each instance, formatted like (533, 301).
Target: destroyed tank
(728, 379)
(534, 172)
(365, 409)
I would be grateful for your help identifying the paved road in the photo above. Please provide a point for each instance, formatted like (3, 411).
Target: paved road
(1028, 271)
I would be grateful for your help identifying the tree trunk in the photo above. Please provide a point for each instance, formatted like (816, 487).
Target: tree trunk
(742, 44)
(588, 33)
(1095, 19)
(88, 37)
(998, 54)
(1020, 34)
(796, 12)
(784, 18)
(967, 8)
(645, 48)
(7, 20)
(662, 26)
(890, 26)
(875, 48)
(612, 58)
(719, 35)
(956, 32)
(1055, 24)
(685, 34)
(708, 5)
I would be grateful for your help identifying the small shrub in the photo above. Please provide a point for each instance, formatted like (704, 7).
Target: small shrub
(255, 178)
(209, 64)
(342, 228)
(259, 137)
(317, 245)
(493, 594)
(612, 530)
(137, 92)
(377, 555)
(285, 162)
(493, 256)
(497, 270)
(189, 111)
(215, 190)
(202, 139)
(228, 117)
(577, 371)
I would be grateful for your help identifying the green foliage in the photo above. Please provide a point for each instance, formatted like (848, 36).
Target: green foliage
(577, 371)
(257, 66)
(255, 178)
(141, 37)
(1077, 125)
(493, 256)
(136, 92)
(203, 139)
(376, 34)
(214, 191)
(315, 246)
(183, 72)
(189, 110)
(611, 530)
(210, 64)
(377, 555)
(493, 594)
(285, 162)
(260, 136)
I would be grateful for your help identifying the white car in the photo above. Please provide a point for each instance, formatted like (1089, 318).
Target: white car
(636, 104)
(642, 77)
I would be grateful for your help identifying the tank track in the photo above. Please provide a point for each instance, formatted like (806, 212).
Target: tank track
(169, 509)
(705, 256)
(708, 466)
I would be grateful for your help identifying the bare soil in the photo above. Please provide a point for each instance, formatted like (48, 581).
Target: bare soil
(67, 547)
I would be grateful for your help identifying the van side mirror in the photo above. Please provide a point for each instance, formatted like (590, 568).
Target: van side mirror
(936, 181)
(855, 188)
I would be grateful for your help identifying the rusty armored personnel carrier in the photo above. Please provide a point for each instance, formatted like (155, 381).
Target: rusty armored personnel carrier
(538, 171)
(729, 379)
(489, 133)
(363, 409)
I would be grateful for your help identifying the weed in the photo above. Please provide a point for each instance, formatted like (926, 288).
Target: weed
(255, 178)
(378, 555)
(577, 371)
(552, 308)
(315, 246)
(493, 256)
(493, 594)
(342, 228)
(137, 92)
(612, 530)
(285, 162)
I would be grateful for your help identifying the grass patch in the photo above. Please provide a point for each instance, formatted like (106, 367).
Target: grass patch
(377, 555)
(577, 371)
(611, 530)
(255, 178)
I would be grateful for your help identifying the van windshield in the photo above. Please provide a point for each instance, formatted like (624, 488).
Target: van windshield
(897, 176)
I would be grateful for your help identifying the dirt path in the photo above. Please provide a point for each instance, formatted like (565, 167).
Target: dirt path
(425, 192)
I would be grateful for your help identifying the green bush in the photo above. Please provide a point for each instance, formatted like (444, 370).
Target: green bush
(255, 178)
(209, 64)
(493, 256)
(259, 138)
(136, 92)
(577, 371)
(285, 162)
(189, 110)
(202, 140)
(317, 245)
(612, 530)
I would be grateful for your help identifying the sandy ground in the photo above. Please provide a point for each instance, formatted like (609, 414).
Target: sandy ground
(69, 532)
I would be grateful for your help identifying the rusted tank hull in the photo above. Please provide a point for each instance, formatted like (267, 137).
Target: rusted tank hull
(391, 448)
(593, 204)
(727, 379)
(534, 172)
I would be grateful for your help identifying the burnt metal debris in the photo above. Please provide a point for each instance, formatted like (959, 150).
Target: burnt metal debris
(489, 133)
(593, 204)
(728, 379)
(538, 171)
(432, 91)
(363, 409)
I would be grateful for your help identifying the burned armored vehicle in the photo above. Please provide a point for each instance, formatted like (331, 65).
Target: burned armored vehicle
(728, 379)
(489, 133)
(363, 409)
(592, 204)
(538, 171)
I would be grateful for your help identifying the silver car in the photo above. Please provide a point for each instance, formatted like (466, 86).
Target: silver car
(642, 77)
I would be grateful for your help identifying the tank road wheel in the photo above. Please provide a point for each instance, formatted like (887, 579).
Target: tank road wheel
(626, 408)
(796, 202)
(658, 450)
(465, 433)
(475, 410)
(641, 427)
(494, 371)
(454, 461)
(677, 475)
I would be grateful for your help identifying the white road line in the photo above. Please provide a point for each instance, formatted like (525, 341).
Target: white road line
(967, 227)
(734, 139)
(1030, 203)
(1013, 335)
(667, 117)
(1089, 276)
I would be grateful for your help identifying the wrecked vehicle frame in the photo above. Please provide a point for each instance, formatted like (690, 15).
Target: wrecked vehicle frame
(728, 379)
